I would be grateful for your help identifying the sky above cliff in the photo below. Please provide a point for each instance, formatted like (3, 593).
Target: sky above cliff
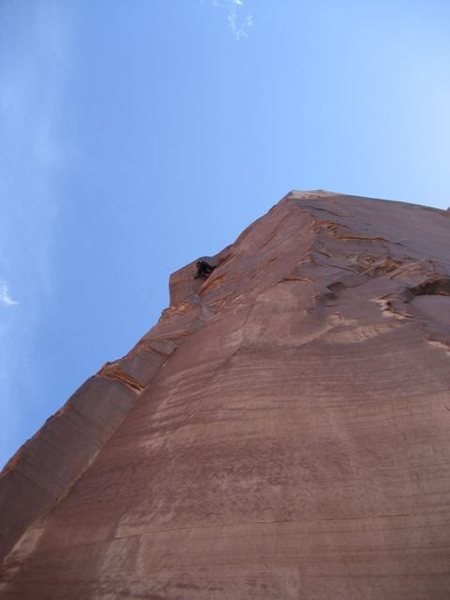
(136, 136)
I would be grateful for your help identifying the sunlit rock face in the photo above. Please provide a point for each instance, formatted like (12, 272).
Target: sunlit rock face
(282, 433)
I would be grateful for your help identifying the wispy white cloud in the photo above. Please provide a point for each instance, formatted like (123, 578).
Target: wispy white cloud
(239, 20)
(240, 27)
(5, 297)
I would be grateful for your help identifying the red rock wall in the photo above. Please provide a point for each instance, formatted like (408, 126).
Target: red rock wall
(293, 440)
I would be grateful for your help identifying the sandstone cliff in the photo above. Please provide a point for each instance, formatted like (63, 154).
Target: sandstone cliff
(282, 433)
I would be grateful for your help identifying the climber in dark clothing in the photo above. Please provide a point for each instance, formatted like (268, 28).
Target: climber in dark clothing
(205, 266)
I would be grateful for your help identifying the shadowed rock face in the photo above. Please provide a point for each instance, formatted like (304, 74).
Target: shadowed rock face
(282, 433)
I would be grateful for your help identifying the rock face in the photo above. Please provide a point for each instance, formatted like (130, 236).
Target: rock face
(283, 433)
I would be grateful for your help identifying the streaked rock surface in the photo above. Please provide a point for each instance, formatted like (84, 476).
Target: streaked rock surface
(282, 433)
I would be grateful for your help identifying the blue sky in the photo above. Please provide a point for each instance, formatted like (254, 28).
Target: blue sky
(136, 136)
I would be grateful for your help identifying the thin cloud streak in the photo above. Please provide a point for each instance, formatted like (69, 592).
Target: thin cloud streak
(240, 24)
(240, 28)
